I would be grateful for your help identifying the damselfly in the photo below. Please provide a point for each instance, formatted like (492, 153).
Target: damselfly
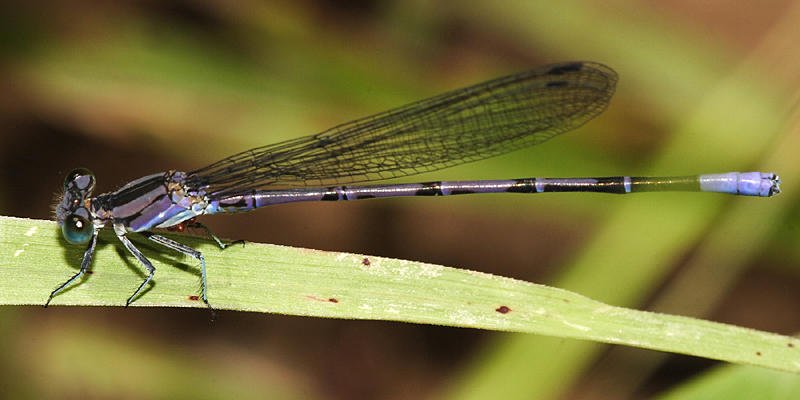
(469, 124)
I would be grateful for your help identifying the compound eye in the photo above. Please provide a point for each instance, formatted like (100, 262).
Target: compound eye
(77, 229)
(82, 178)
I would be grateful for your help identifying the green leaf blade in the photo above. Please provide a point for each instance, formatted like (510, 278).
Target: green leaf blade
(285, 280)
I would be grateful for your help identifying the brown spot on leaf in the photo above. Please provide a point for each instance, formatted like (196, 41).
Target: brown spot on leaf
(503, 310)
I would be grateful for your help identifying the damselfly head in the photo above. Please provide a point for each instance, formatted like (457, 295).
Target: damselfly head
(81, 179)
(71, 212)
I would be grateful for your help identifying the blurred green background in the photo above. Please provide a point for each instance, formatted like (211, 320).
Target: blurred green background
(131, 88)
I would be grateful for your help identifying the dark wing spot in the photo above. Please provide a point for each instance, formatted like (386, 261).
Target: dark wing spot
(564, 68)
(557, 84)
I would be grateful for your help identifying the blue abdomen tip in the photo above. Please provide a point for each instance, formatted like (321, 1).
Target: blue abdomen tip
(764, 184)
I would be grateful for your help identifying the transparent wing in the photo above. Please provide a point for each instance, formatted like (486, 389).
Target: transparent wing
(468, 124)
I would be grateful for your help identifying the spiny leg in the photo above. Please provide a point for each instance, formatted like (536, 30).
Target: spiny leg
(182, 248)
(87, 259)
(142, 259)
(222, 245)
